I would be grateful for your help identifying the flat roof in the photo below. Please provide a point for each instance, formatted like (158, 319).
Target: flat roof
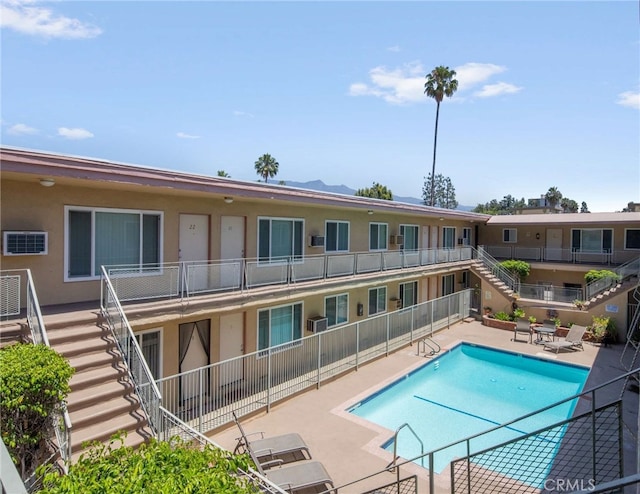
(564, 218)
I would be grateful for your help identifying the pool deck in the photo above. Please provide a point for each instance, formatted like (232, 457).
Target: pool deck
(349, 447)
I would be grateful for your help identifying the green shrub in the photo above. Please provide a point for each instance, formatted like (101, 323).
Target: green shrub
(521, 269)
(159, 467)
(603, 327)
(502, 316)
(518, 314)
(34, 381)
(599, 274)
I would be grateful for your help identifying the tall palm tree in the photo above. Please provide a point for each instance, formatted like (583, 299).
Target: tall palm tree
(553, 197)
(267, 166)
(440, 83)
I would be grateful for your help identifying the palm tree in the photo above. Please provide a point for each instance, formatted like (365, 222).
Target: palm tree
(440, 83)
(553, 197)
(222, 173)
(267, 166)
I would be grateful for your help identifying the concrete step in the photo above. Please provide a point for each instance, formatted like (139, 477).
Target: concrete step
(92, 376)
(97, 393)
(104, 410)
(71, 348)
(135, 424)
(95, 359)
(76, 333)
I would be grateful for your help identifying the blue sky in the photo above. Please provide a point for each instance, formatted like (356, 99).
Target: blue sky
(549, 92)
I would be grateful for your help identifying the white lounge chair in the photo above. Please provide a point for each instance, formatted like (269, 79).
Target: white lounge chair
(572, 341)
(283, 447)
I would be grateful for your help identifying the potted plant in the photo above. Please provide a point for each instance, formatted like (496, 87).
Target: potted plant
(579, 304)
(487, 310)
(518, 314)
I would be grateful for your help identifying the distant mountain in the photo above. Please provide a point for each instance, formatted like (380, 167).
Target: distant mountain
(319, 185)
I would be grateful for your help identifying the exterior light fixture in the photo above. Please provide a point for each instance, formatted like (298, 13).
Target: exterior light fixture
(441, 218)
(228, 200)
(370, 212)
(47, 182)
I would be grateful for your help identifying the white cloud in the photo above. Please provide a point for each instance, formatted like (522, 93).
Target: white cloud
(21, 129)
(182, 135)
(74, 134)
(239, 113)
(406, 84)
(26, 17)
(471, 74)
(629, 99)
(397, 86)
(394, 48)
(497, 89)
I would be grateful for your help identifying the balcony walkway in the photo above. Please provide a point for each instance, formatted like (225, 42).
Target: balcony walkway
(349, 447)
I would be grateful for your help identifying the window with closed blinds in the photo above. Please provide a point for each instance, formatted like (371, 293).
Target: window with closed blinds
(106, 237)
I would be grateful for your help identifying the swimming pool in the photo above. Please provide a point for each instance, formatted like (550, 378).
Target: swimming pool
(468, 390)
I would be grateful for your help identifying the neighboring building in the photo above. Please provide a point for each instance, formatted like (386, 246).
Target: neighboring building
(539, 205)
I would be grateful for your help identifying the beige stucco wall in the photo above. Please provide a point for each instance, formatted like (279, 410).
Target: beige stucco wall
(29, 206)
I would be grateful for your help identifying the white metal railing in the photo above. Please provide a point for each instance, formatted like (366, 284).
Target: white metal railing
(627, 270)
(171, 280)
(498, 270)
(11, 288)
(550, 293)
(141, 377)
(205, 398)
(605, 257)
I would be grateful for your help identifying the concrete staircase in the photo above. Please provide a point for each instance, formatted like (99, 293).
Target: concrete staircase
(623, 287)
(102, 399)
(479, 268)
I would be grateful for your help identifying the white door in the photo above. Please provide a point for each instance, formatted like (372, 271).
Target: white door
(231, 250)
(553, 251)
(231, 345)
(425, 238)
(193, 384)
(194, 248)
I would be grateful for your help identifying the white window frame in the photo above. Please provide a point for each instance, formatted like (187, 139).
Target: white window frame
(345, 302)
(160, 332)
(416, 228)
(93, 211)
(384, 299)
(282, 346)
(626, 230)
(384, 237)
(401, 290)
(508, 233)
(591, 230)
(294, 256)
(448, 281)
(452, 230)
(326, 236)
(466, 236)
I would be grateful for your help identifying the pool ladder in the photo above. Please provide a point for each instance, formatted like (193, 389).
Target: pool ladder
(395, 446)
(430, 347)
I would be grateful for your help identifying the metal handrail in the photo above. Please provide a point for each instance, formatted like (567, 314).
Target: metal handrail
(425, 343)
(39, 335)
(395, 446)
(497, 269)
(140, 374)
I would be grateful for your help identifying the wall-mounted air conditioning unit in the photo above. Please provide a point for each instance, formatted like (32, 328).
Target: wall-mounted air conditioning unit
(316, 241)
(317, 324)
(24, 243)
(397, 302)
(397, 239)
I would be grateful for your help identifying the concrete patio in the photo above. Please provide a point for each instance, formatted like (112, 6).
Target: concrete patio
(349, 447)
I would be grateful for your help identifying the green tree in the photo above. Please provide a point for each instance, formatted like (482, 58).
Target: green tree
(569, 205)
(444, 193)
(440, 83)
(162, 467)
(222, 173)
(584, 208)
(34, 381)
(267, 167)
(553, 197)
(377, 191)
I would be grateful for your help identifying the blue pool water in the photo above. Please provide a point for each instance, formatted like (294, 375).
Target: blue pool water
(468, 390)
